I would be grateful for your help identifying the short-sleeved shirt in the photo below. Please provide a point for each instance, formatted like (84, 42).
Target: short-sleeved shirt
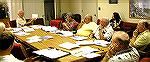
(128, 55)
(107, 32)
(9, 58)
(87, 29)
(20, 21)
(142, 40)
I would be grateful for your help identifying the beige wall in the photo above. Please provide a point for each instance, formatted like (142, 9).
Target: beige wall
(122, 8)
(33, 7)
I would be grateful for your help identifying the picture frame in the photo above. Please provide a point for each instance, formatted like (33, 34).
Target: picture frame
(113, 1)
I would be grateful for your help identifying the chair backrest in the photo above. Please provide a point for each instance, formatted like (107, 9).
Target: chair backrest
(38, 21)
(56, 23)
(13, 24)
(77, 17)
(98, 20)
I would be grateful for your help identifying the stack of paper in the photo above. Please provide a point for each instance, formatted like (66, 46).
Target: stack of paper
(16, 29)
(51, 53)
(65, 33)
(22, 33)
(36, 26)
(37, 38)
(85, 42)
(28, 29)
(79, 38)
(49, 28)
(33, 39)
(87, 52)
(68, 45)
(102, 42)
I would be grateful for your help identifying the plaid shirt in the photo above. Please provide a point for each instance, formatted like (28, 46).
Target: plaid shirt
(72, 25)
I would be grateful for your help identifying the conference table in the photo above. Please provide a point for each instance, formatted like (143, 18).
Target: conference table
(54, 43)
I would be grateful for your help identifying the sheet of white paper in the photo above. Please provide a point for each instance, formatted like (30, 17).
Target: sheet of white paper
(79, 38)
(22, 33)
(101, 42)
(16, 29)
(34, 15)
(68, 45)
(85, 42)
(83, 51)
(91, 55)
(51, 53)
(28, 29)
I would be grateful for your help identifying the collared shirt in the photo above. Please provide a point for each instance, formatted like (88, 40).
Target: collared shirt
(9, 58)
(87, 29)
(20, 21)
(142, 40)
(128, 55)
(107, 32)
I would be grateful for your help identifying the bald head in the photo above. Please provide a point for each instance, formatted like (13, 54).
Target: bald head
(20, 13)
(104, 22)
(2, 27)
(121, 38)
(88, 19)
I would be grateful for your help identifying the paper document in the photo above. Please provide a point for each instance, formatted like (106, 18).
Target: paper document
(102, 42)
(51, 53)
(79, 38)
(83, 51)
(85, 42)
(68, 45)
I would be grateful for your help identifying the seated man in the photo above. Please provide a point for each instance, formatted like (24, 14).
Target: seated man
(6, 45)
(141, 37)
(70, 23)
(21, 21)
(104, 31)
(87, 26)
(119, 50)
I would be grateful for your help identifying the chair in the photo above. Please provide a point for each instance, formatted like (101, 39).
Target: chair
(98, 20)
(77, 17)
(56, 23)
(38, 21)
(13, 24)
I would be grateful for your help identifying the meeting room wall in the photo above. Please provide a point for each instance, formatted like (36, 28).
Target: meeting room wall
(30, 7)
(33, 7)
(122, 8)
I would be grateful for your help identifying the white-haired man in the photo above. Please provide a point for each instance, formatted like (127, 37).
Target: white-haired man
(21, 21)
(119, 50)
(104, 30)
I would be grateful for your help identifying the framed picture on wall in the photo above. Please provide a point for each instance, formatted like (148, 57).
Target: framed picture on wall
(113, 1)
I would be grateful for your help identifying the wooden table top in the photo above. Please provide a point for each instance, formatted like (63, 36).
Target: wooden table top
(57, 39)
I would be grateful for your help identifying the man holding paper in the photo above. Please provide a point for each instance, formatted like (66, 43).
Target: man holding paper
(21, 21)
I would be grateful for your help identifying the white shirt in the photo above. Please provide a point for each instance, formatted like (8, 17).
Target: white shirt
(9, 58)
(108, 31)
(20, 21)
(129, 55)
